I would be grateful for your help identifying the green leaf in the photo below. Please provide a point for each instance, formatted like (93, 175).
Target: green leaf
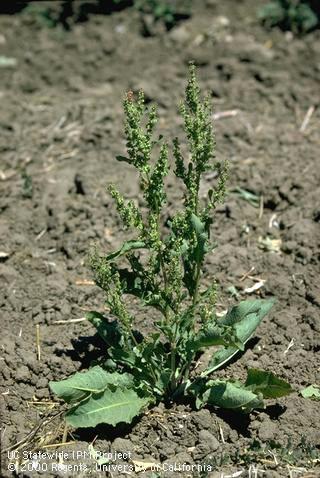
(193, 254)
(108, 331)
(127, 357)
(267, 383)
(245, 317)
(123, 158)
(272, 13)
(126, 247)
(306, 17)
(83, 384)
(252, 198)
(163, 380)
(232, 396)
(246, 310)
(202, 236)
(137, 284)
(313, 391)
(216, 335)
(110, 407)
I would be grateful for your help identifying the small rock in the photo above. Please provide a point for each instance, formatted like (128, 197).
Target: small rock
(42, 382)
(289, 246)
(8, 346)
(135, 438)
(14, 404)
(181, 458)
(267, 431)
(35, 366)
(43, 393)
(27, 356)
(159, 408)
(6, 373)
(66, 309)
(22, 374)
(209, 439)
(175, 461)
(202, 419)
(123, 445)
(167, 448)
(305, 253)
(26, 392)
(180, 34)
(253, 364)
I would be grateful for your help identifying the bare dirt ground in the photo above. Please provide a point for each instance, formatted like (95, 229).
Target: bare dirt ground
(60, 129)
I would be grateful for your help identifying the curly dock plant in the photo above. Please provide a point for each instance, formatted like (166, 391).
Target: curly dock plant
(162, 268)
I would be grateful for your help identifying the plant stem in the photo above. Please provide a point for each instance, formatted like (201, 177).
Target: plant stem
(173, 382)
(184, 372)
(172, 339)
(196, 290)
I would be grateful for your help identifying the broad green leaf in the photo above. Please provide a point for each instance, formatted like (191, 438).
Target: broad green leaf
(220, 358)
(245, 317)
(267, 383)
(110, 407)
(246, 308)
(108, 331)
(83, 384)
(196, 389)
(216, 335)
(313, 391)
(127, 357)
(198, 225)
(126, 247)
(232, 396)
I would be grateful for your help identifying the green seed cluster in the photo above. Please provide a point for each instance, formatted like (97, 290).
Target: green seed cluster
(129, 213)
(108, 279)
(139, 139)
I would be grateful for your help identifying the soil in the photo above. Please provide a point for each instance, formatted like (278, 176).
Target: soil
(61, 127)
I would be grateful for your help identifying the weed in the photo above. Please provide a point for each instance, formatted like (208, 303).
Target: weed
(312, 391)
(162, 268)
(159, 9)
(301, 454)
(27, 185)
(248, 196)
(164, 11)
(296, 15)
(259, 457)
